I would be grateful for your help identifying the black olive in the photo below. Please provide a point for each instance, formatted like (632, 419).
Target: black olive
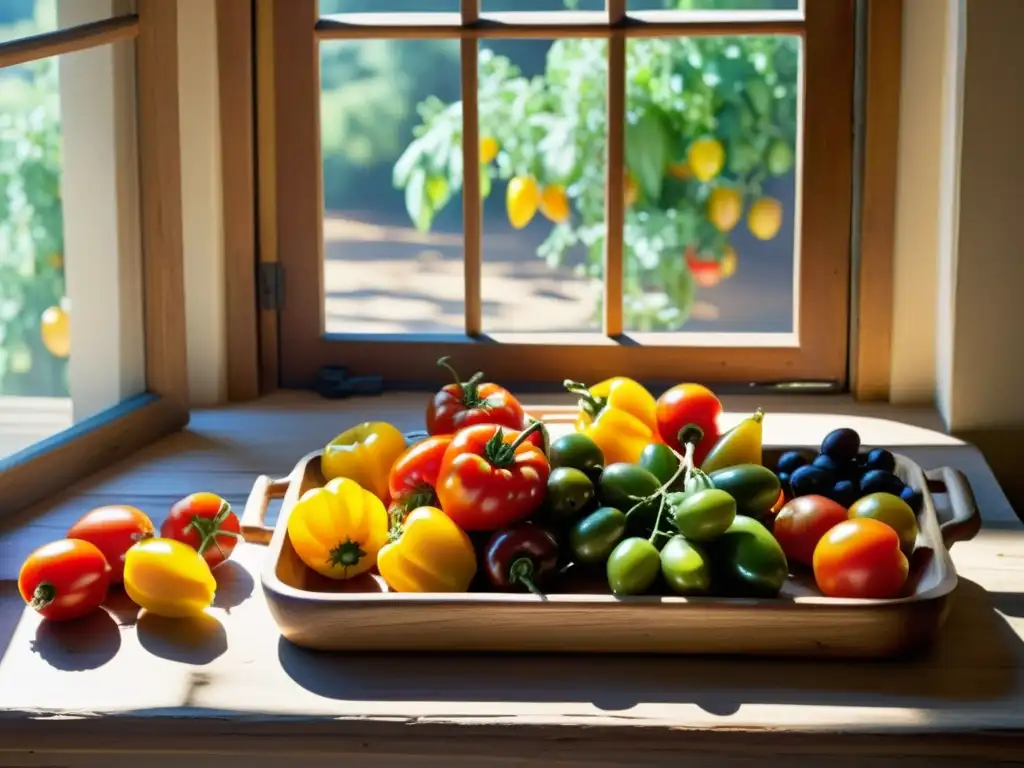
(841, 444)
(810, 480)
(881, 459)
(790, 461)
(879, 481)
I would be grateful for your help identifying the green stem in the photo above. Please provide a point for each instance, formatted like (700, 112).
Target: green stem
(594, 404)
(521, 572)
(470, 388)
(44, 594)
(501, 454)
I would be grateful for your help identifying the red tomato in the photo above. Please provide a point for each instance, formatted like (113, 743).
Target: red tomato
(464, 403)
(206, 523)
(689, 404)
(113, 530)
(860, 558)
(64, 579)
(491, 477)
(802, 522)
(706, 274)
(414, 475)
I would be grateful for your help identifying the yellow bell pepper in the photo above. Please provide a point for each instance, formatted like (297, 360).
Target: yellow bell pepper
(168, 578)
(431, 554)
(365, 453)
(619, 415)
(338, 530)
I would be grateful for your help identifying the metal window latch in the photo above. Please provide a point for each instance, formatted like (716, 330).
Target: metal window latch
(270, 278)
(334, 382)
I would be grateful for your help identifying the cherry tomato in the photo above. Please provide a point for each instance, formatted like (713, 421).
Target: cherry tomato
(113, 530)
(414, 475)
(65, 579)
(206, 523)
(860, 558)
(802, 522)
(689, 404)
(491, 477)
(475, 401)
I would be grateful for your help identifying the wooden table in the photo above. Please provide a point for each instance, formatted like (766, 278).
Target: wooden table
(103, 693)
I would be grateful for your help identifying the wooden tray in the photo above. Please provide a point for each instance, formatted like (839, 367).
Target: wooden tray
(360, 614)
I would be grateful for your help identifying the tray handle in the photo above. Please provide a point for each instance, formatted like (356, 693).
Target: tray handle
(966, 520)
(254, 530)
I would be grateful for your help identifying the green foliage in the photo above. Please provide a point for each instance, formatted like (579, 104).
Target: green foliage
(739, 90)
(31, 233)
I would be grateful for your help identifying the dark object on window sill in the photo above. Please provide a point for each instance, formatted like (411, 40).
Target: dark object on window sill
(335, 383)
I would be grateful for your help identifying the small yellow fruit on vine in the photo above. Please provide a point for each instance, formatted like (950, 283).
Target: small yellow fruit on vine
(728, 262)
(54, 328)
(765, 218)
(554, 204)
(725, 207)
(488, 149)
(522, 199)
(706, 157)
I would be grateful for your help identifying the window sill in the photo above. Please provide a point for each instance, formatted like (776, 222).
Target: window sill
(282, 699)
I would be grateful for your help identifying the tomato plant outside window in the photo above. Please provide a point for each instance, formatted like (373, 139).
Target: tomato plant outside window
(659, 188)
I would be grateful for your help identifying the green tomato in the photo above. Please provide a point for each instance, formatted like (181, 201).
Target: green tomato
(748, 561)
(685, 567)
(622, 484)
(593, 538)
(660, 461)
(633, 566)
(569, 494)
(780, 158)
(704, 515)
(578, 451)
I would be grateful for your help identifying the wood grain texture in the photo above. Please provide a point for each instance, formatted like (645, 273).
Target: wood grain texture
(238, 158)
(61, 41)
(615, 175)
(83, 449)
(266, 185)
(872, 351)
(160, 208)
(472, 202)
(234, 686)
(362, 614)
(818, 349)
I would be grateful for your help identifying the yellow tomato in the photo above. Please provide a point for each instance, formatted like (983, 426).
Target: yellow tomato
(765, 218)
(54, 327)
(725, 207)
(338, 530)
(365, 453)
(522, 198)
(488, 149)
(728, 263)
(680, 171)
(168, 578)
(631, 190)
(554, 204)
(432, 555)
(706, 158)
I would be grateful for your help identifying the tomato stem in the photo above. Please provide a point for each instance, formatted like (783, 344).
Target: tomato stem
(501, 454)
(469, 389)
(521, 571)
(44, 594)
(209, 529)
(589, 402)
(347, 554)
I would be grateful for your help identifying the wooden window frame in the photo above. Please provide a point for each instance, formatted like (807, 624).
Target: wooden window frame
(289, 152)
(53, 464)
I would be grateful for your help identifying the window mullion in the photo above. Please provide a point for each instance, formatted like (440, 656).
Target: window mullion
(615, 172)
(471, 203)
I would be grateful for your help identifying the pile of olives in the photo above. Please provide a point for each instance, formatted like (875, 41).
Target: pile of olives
(843, 473)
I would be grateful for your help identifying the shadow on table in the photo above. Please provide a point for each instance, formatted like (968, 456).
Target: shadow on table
(973, 660)
(79, 645)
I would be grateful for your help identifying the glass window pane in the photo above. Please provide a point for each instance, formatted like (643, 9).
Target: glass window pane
(714, 5)
(330, 7)
(391, 131)
(70, 302)
(24, 18)
(543, 113)
(711, 140)
(501, 6)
